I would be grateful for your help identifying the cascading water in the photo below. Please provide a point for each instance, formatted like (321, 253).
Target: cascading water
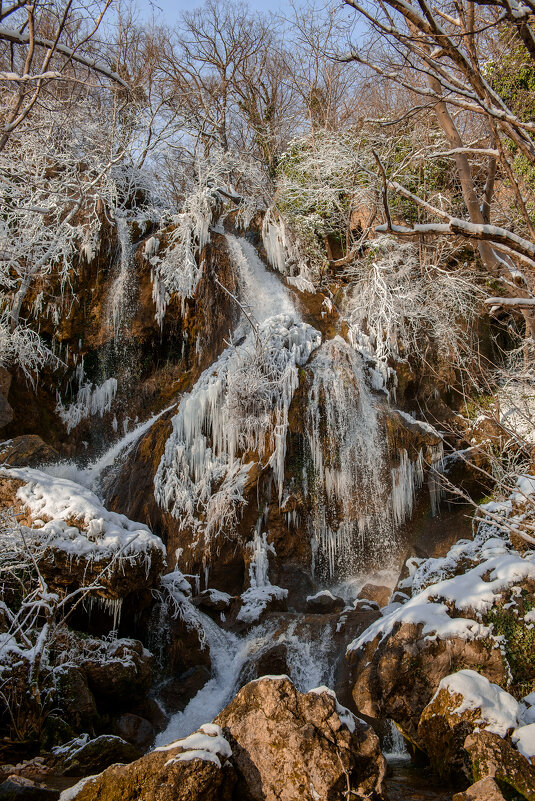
(238, 407)
(120, 298)
(237, 415)
(346, 482)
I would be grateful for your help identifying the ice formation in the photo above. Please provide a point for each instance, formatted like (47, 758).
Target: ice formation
(260, 591)
(407, 478)
(347, 457)
(237, 413)
(120, 297)
(90, 400)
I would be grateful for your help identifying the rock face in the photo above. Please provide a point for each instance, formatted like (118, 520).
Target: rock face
(124, 676)
(28, 450)
(490, 755)
(193, 769)
(287, 745)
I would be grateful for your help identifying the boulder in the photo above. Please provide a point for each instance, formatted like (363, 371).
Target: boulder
(396, 677)
(463, 702)
(18, 788)
(483, 790)
(213, 600)
(84, 756)
(376, 592)
(28, 450)
(74, 697)
(193, 769)
(492, 756)
(272, 662)
(136, 730)
(123, 675)
(324, 602)
(288, 745)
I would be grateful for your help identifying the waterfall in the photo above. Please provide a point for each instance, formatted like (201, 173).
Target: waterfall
(236, 415)
(350, 511)
(119, 305)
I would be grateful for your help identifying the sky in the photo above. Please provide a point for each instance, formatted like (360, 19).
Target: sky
(170, 8)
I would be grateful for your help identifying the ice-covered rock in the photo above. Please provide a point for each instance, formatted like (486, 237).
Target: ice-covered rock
(79, 541)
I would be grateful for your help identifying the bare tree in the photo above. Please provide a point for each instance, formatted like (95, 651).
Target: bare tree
(440, 56)
(45, 43)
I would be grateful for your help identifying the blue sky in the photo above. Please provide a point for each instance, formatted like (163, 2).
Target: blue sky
(170, 8)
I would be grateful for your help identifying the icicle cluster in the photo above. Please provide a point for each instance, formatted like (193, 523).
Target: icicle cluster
(176, 270)
(90, 400)
(261, 591)
(407, 478)
(283, 254)
(238, 408)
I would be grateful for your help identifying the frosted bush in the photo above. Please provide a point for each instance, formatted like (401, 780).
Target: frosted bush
(405, 305)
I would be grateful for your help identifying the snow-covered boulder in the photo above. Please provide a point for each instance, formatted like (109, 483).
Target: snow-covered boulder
(464, 701)
(469, 609)
(77, 541)
(196, 768)
(324, 602)
(288, 745)
(83, 756)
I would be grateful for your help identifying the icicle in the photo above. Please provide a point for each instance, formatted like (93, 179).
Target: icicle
(238, 406)
(407, 478)
(89, 401)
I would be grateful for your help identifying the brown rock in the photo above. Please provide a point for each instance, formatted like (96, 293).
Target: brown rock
(5, 381)
(397, 677)
(272, 662)
(124, 676)
(6, 412)
(28, 450)
(18, 788)
(491, 756)
(375, 592)
(324, 603)
(443, 728)
(136, 730)
(74, 697)
(483, 790)
(288, 745)
(82, 756)
(158, 777)
(212, 600)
